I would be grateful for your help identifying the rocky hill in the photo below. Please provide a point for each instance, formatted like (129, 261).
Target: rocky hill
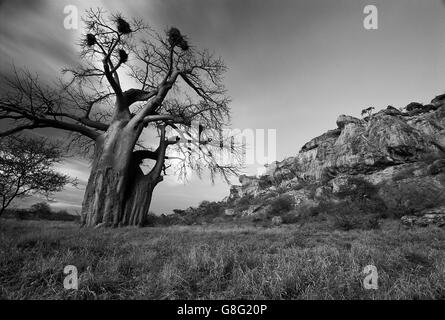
(390, 163)
(399, 153)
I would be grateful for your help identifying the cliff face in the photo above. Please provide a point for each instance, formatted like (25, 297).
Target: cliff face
(399, 151)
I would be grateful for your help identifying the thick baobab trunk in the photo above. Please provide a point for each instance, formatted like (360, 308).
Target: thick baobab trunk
(139, 195)
(106, 190)
(118, 193)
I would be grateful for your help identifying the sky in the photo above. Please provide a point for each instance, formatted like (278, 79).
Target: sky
(293, 65)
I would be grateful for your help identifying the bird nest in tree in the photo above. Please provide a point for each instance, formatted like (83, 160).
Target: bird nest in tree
(184, 45)
(91, 39)
(175, 38)
(123, 26)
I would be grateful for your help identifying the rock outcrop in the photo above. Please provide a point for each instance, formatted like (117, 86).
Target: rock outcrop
(399, 151)
(428, 217)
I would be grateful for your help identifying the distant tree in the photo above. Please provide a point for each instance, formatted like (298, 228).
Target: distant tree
(367, 112)
(42, 210)
(41, 207)
(26, 168)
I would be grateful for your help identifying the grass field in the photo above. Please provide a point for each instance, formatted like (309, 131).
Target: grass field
(219, 262)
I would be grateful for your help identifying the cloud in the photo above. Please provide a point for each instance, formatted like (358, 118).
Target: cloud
(33, 36)
(75, 168)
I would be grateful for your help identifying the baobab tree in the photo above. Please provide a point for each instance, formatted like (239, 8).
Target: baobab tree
(132, 82)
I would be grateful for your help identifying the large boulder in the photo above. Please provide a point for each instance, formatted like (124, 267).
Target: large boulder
(414, 106)
(250, 186)
(437, 167)
(344, 120)
(342, 183)
(391, 111)
(413, 193)
(438, 100)
(435, 216)
(277, 221)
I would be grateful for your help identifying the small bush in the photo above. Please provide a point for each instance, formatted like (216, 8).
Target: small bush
(151, 220)
(243, 203)
(290, 217)
(281, 205)
(308, 211)
(265, 182)
(41, 210)
(346, 215)
(346, 222)
(362, 190)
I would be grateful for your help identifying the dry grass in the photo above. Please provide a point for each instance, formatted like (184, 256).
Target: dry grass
(219, 262)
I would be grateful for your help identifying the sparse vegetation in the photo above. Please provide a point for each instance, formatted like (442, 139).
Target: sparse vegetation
(225, 262)
(40, 211)
(243, 203)
(206, 212)
(367, 112)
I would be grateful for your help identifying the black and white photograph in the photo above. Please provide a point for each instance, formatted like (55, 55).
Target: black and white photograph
(236, 151)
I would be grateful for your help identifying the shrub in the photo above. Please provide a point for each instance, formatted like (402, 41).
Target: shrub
(207, 208)
(307, 212)
(265, 182)
(281, 205)
(63, 215)
(344, 222)
(21, 214)
(290, 217)
(349, 221)
(362, 190)
(346, 215)
(400, 211)
(243, 203)
(151, 220)
(41, 210)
